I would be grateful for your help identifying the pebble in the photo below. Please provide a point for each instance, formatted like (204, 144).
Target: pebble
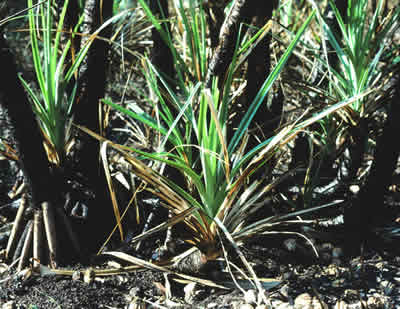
(354, 189)
(332, 271)
(76, 275)
(9, 305)
(250, 297)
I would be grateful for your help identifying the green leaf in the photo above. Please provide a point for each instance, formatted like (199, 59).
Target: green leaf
(259, 99)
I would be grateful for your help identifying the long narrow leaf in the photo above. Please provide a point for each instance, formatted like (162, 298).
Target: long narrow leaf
(244, 124)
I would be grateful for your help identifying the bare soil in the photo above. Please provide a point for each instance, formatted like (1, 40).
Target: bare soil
(373, 279)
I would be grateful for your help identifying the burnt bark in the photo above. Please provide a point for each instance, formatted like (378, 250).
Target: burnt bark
(92, 83)
(367, 212)
(258, 68)
(258, 64)
(32, 156)
(268, 116)
(241, 12)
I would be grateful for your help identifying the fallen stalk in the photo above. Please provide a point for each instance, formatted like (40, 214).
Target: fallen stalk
(37, 237)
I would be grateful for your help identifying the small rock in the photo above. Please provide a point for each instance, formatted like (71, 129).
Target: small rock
(3, 268)
(250, 297)
(76, 275)
(354, 189)
(9, 305)
(332, 271)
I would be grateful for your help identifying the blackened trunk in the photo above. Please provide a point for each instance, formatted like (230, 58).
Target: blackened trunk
(241, 12)
(267, 118)
(92, 82)
(367, 209)
(32, 156)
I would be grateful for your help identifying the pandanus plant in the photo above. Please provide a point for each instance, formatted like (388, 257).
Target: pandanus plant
(192, 126)
(360, 45)
(354, 48)
(53, 102)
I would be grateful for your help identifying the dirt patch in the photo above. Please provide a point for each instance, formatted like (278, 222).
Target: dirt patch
(373, 280)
